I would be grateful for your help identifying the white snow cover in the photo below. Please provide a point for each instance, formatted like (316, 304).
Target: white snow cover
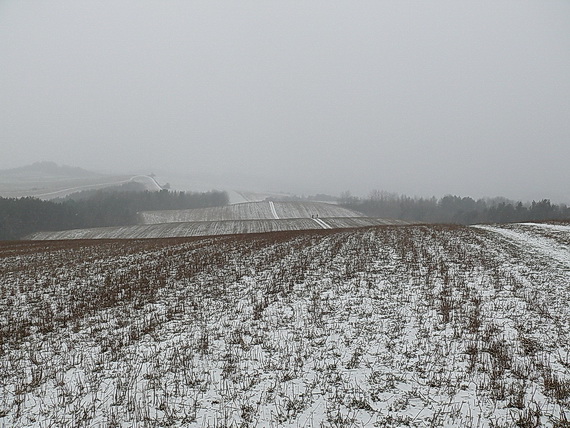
(264, 210)
(413, 326)
(209, 228)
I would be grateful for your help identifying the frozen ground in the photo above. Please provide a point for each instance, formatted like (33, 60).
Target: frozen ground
(250, 217)
(264, 210)
(415, 326)
(208, 228)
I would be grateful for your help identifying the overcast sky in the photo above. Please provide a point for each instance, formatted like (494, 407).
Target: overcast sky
(423, 98)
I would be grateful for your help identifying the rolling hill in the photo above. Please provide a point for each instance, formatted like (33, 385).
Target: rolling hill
(209, 228)
(250, 211)
(47, 180)
(251, 217)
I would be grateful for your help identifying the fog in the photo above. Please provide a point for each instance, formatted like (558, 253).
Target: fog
(422, 98)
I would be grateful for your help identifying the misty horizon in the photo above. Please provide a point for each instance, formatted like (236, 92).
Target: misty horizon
(416, 99)
(206, 183)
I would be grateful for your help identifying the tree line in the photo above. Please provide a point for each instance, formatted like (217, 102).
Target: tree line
(20, 217)
(454, 209)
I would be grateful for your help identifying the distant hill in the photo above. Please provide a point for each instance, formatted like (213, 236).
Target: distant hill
(249, 217)
(212, 228)
(48, 180)
(250, 211)
(49, 169)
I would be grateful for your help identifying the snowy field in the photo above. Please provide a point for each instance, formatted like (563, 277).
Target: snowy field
(249, 211)
(395, 326)
(210, 228)
(250, 217)
(59, 188)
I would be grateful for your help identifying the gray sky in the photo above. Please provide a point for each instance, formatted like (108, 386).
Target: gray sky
(423, 98)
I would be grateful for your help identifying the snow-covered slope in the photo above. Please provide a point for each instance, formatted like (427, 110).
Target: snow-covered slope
(47, 180)
(249, 211)
(208, 228)
(414, 326)
(250, 217)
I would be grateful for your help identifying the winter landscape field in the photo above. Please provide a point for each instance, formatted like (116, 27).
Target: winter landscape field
(388, 326)
(47, 180)
(250, 211)
(250, 217)
(297, 214)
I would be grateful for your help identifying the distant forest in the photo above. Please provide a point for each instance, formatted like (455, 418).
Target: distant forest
(94, 208)
(453, 209)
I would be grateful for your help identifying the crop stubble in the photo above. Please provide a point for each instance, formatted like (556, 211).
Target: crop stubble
(387, 326)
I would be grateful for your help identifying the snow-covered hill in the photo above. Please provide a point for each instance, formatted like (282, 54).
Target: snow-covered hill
(251, 217)
(250, 211)
(210, 228)
(47, 180)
